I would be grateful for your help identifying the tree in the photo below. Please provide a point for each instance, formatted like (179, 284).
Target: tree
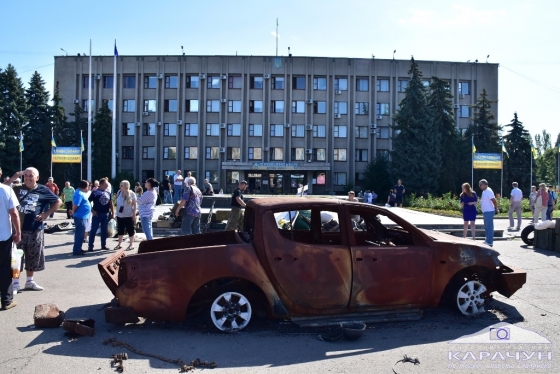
(416, 147)
(377, 177)
(37, 133)
(542, 142)
(440, 103)
(517, 166)
(546, 166)
(101, 139)
(12, 119)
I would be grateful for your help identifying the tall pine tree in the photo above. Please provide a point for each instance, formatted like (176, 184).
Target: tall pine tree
(518, 165)
(101, 138)
(416, 155)
(377, 177)
(12, 120)
(440, 102)
(38, 131)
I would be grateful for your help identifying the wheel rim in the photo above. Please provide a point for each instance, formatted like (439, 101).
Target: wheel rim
(231, 311)
(470, 299)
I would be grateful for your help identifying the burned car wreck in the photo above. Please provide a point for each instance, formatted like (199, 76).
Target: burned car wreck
(302, 258)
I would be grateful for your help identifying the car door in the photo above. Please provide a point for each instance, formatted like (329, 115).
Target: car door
(390, 267)
(310, 265)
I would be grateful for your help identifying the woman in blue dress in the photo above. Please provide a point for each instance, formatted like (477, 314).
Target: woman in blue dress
(468, 203)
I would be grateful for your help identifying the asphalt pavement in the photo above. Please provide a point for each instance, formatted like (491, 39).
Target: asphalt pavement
(74, 284)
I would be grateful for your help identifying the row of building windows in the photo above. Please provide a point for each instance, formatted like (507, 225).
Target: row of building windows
(254, 130)
(257, 82)
(254, 153)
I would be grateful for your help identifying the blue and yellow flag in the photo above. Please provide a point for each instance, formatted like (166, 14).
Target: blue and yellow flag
(53, 142)
(21, 147)
(504, 150)
(473, 148)
(558, 147)
(533, 150)
(82, 144)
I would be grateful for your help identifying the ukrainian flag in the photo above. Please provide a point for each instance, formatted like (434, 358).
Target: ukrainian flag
(533, 150)
(504, 150)
(82, 144)
(21, 147)
(53, 142)
(473, 148)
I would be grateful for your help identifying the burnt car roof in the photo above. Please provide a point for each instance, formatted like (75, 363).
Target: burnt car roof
(273, 202)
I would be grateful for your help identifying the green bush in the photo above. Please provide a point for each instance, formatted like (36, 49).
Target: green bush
(449, 202)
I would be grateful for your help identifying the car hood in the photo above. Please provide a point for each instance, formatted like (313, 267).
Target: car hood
(441, 237)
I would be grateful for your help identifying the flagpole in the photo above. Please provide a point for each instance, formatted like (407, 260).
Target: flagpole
(276, 36)
(531, 157)
(52, 137)
(81, 158)
(472, 161)
(114, 126)
(89, 117)
(21, 151)
(502, 176)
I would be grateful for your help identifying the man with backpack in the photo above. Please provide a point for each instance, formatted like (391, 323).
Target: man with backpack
(552, 198)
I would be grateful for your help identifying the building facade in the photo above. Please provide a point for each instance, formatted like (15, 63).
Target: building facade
(276, 122)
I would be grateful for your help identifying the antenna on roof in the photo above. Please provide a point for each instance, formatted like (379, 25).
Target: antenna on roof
(182, 50)
(276, 36)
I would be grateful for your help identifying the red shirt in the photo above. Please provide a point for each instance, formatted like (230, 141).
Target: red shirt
(53, 187)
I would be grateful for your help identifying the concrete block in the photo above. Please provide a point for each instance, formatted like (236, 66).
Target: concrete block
(48, 315)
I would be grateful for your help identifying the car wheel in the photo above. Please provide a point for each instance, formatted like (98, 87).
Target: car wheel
(470, 297)
(231, 311)
(528, 235)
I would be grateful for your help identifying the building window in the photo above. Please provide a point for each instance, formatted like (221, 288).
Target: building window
(383, 153)
(277, 106)
(277, 154)
(382, 109)
(255, 153)
(256, 83)
(340, 154)
(109, 104)
(464, 88)
(212, 153)
(170, 105)
(362, 84)
(147, 174)
(339, 179)
(85, 105)
(191, 129)
(108, 81)
(341, 84)
(382, 85)
(212, 176)
(234, 129)
(150, 105)
(128, 129)
(234, 106)
(340, 131)
(233, 153)
(255, 130)
(320, 107)
(149, 129)
(361, 155)
(85, 81)
(234, 82)
(150, 81)
(298, 154)
(192, 81)
(340, 107)
(171, 81)
(298, 83)
(464, 111)
(169, 129)
(277, 130)
(320, 83)
(361, 132)
(361, 108)
(191, 106)
(319, 154)
(191, 153)
(169, 153)
(298, 106)
(212, 129)
(127, 152)
(298, 131)
(231, 177)
(213, 81)
(402, 85)
(212, 106)
(148, 152)
(319, 131)
(384, 133)
(129, 81)
(277, 83)
(255, 106)
(129, 106)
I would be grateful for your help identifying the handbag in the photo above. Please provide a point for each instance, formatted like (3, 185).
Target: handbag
(538, 203)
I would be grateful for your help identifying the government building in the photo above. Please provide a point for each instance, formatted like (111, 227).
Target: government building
(277, 122)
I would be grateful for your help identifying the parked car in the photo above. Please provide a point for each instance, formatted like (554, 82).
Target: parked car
(302, 257)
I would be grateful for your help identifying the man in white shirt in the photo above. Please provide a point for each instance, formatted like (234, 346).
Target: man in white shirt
(8, 215)
(515, 199)
(489, 207)
(177, 186)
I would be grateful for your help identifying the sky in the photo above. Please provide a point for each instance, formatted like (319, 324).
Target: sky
(519, 35)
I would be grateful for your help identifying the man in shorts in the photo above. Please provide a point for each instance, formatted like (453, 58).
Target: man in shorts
(33, 200)
(399, 192)
(235, 219)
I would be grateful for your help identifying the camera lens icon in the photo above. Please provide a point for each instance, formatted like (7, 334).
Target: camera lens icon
(502, 333)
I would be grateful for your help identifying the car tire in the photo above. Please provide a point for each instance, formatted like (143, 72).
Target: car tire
(231, 311)
(469, 296)
(525, 235)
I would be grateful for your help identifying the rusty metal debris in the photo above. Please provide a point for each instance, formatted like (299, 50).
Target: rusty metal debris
(80, 326)
(183, 366)
(48, 315)
(412, 360)
(118, 359)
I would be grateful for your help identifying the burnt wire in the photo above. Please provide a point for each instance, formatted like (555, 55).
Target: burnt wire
(412, 360)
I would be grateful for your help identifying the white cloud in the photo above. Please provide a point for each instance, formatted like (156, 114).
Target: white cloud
(274, 34)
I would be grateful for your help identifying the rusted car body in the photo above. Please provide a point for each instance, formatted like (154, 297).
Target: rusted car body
(303, 257)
